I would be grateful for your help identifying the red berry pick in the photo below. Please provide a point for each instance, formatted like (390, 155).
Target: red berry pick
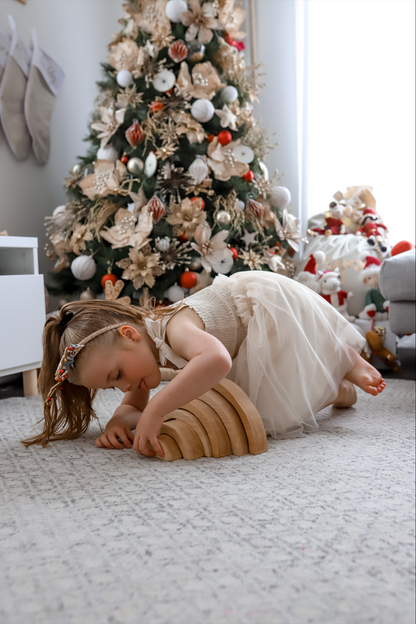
(249, 176)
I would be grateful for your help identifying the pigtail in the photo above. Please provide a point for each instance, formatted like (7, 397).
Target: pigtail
(67, 408)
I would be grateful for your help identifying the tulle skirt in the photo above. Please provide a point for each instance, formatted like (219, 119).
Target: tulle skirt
(297, 350)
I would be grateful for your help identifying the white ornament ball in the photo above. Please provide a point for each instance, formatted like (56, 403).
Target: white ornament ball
(83, 268)
(164, 80)
(58, 210)
(229, 94)
(202, 110)
(174, 10)
(280, 197)
(124, 78)
(150, 165)
(175, 293)
(240, 204)
(107, 153)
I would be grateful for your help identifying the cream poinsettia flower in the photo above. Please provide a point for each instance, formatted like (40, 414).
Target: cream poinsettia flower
(200, 19)
(205, 82)
(80, 236)
(111, 121)
(195, 133)
(124, 55)
(152, 16)
(141, 267)
(185, 217)
(105, 180)
(231, 18)
(214, 251)
(222, 162)
(125, 232)
(289, 229)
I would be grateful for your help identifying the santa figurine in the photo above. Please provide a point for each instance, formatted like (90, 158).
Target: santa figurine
(309, 276)
(369, 227)
(330, 289)
(375, 305)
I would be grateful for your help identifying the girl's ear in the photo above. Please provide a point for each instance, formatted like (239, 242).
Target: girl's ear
(131, 333)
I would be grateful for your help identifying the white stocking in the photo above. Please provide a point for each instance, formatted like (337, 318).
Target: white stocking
(45, 81)
(12, 96)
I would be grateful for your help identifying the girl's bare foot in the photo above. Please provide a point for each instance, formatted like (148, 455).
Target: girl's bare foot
(366, 377)
(347, 395)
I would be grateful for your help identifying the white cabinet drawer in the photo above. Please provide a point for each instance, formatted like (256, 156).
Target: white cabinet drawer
(22, 317)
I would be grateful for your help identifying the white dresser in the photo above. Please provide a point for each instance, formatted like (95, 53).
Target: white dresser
(22, 310)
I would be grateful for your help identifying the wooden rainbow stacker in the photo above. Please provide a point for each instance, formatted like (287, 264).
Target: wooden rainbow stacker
(221, 422)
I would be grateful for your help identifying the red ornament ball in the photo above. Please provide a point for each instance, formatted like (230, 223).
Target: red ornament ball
(224, 137)
(234, 252)
(249, 176)
(210, 138)
(200, 201)
(124, 159)
(109, 277)
(182, 238)
(188, 279)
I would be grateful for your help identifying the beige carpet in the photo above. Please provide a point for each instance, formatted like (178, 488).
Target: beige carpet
(318, 530)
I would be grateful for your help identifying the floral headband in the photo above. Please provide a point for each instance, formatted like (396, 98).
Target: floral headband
(67, 361)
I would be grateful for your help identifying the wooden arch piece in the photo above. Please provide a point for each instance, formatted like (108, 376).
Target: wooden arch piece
(230, 419)
(194, 423)
(169, 446)
(252, 422)
(185, 437)
(217, 433)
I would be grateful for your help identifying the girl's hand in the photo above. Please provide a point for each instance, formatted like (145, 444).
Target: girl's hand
(146, 435)
(113, 431)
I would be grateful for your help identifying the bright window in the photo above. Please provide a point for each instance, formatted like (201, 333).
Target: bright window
(361, 105)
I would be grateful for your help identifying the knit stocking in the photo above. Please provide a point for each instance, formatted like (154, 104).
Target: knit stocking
(4, 51)
(45, 81)
(12, 96)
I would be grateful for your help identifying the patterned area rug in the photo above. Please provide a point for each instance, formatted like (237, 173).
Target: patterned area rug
(318, 530)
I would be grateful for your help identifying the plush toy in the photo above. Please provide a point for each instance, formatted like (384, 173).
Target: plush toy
(309, 276)
(370, 225)
(375, 306)
(334, 221)
(375, 338)
(330, 290)
(355, 200)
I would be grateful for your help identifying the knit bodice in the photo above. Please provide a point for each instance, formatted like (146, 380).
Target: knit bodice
(224, 315)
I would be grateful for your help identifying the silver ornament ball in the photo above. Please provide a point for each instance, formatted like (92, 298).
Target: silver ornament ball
(163, 244)
(223, 217)
(135, 165)
(76, 169)
(195, 265)
(87, 295)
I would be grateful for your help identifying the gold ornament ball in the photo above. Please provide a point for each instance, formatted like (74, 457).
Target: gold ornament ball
(195, 265)
(223, 217)
(76, 169)
(135, 166)
(87, 295)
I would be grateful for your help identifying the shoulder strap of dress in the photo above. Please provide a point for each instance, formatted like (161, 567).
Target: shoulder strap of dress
(157, 332)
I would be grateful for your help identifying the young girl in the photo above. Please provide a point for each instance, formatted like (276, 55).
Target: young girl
(283, 344)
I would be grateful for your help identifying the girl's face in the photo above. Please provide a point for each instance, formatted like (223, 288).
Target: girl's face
(129, 365)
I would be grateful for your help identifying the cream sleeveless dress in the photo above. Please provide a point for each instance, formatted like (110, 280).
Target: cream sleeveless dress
(290, 348)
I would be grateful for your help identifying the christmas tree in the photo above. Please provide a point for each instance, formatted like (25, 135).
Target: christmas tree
(173, 189)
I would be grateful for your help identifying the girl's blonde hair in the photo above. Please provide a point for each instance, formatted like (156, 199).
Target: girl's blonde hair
(68, 413)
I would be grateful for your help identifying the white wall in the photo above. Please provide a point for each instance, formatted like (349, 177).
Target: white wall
(75, 33)
(276, 27)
